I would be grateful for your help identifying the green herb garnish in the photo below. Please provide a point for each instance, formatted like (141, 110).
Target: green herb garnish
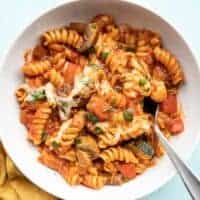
(91, 50)
(93, 26)
(38, 95)
(126, 180)
(91, 117)
(128, 115)
(64, 104)
(43, 136)
(104, 55)
(98, 130)
(142, 82)
(131, 49)
(77, 141)
(55, 144)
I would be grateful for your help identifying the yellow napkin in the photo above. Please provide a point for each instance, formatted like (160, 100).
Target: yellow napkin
(14, 186)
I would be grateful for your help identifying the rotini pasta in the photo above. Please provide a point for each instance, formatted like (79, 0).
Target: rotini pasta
(95, 182)
(55, 78)
(118, 153)
(37, 127)
(36, 68)
(171, 64)
(89, 100)
(64, 36)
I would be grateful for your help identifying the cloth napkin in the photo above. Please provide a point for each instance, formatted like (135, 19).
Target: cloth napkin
(14, 186)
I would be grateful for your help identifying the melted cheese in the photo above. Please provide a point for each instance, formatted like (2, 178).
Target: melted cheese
(50, 93)
(65, 125)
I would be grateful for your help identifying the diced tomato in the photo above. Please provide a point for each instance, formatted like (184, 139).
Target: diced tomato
(70, 72)
(169, 105)
(127, 170)
(176, 126)
(99, 107)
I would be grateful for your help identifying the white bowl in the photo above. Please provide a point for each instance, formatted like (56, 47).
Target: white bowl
(13, 134)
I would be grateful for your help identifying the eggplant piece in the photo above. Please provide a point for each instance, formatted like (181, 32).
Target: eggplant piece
(90, 36)
(141, 148)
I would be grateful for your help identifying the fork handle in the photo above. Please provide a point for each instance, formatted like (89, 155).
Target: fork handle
(190, 180)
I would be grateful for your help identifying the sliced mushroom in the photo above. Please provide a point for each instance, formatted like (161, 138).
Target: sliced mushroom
(78, 26)
(90, 36)
(87, 144)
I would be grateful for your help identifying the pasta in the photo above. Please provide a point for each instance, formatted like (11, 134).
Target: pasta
(171, 64)
(36, 68)
(89, 98)
(38, 123)
(95, 182)
(55, 78)
(63, 36)
(119, 154)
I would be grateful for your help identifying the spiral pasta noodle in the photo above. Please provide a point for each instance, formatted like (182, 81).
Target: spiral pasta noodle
(95, 182)
(36, 68)
(73, 130)
(55, 78)
(64, 36)
(171, 64)
(38, 124)
(118, 153)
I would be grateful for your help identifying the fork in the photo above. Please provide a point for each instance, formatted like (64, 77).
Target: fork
(190, 180)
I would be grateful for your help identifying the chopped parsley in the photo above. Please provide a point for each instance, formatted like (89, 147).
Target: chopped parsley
(126, 180)
(91, 50)
(128, 115)
(55, 144)
(77, 141)
(131, 49)
(43, 136)
(104, 55)
(142, 82)
(91, 117)
(38, 95)
(98, 130)
(65, 104)
(93, 26)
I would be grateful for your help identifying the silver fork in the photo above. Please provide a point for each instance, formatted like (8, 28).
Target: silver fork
(190, 180)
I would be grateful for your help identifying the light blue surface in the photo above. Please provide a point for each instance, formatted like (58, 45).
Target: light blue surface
(184, 14)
